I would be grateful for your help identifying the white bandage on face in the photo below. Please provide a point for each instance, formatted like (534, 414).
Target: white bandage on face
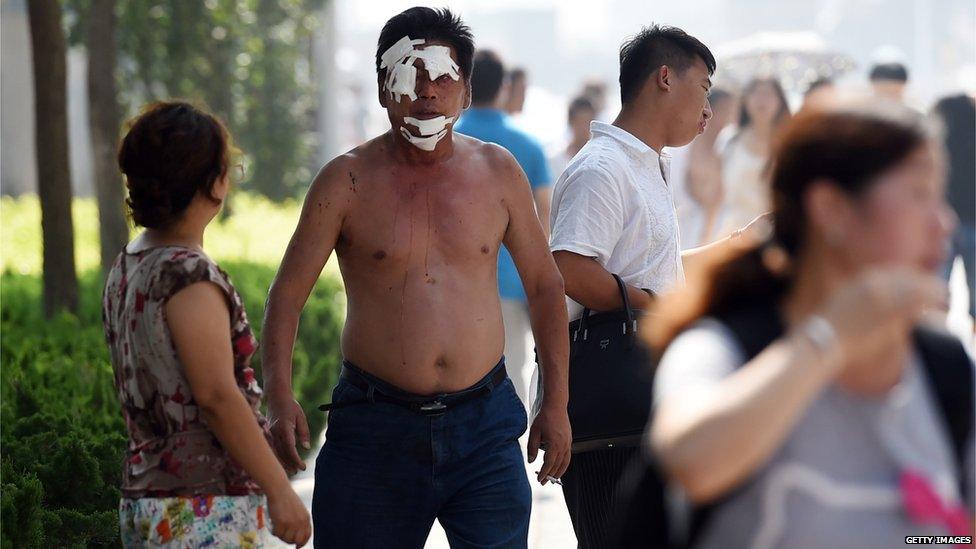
(401, 75)
(432, 130)
(430, 126)
(438, 62)
(424, 143)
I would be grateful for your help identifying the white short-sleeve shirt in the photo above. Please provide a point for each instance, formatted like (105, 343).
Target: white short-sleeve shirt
(613, 203)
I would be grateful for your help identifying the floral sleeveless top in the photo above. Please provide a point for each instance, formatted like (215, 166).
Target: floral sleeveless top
(171, 452)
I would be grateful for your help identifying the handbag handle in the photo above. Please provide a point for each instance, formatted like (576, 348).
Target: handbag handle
(622, 288)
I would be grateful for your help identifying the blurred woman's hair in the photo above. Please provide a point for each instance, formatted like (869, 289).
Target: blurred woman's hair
(171, 151)
(782, 114)
(848, 147)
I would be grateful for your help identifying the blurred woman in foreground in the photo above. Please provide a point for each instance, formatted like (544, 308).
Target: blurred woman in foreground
(199, 470)
(798, 403)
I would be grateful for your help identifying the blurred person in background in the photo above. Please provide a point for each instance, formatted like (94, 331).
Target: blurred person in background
(958, 116)
(762, 110)
(517, 84)
(888, 81)
(199, 467)
(698, 190)
(487, 121)
(581, 113)
(799, 401)
(596, 91)
(819, 93)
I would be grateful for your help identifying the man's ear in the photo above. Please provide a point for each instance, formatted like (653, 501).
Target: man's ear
(467, 96)
(663, 78)
(383, 96)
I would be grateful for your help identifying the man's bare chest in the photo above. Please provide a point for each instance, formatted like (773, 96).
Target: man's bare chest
(394, 222)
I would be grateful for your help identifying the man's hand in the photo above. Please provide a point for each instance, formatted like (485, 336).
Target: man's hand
(550, 431)
(288, 420)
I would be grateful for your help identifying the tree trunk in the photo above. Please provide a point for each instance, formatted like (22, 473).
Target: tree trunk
(103, 120)
(53, 176)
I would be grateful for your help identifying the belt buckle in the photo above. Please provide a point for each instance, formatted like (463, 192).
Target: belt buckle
(433, 408)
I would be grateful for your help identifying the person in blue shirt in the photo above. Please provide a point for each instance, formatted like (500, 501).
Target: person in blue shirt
(486, 120)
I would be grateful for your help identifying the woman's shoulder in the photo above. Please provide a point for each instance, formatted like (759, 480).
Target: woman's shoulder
(170, 269)
(704, 353)
(708, 334)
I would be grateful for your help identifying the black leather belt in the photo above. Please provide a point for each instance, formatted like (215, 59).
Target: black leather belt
(432, 406)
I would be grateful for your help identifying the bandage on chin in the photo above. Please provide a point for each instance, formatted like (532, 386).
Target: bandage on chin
(428, 143)
(432, 130)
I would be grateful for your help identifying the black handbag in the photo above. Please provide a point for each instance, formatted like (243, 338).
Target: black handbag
(610, 378)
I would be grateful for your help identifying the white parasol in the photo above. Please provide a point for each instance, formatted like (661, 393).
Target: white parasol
(795, 58)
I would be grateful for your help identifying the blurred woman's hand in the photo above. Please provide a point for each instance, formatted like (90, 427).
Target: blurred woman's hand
(873, 316)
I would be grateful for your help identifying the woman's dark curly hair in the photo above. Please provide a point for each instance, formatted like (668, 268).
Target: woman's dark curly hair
(172, 151)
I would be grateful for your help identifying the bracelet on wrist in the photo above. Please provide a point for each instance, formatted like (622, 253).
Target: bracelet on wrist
(820, 333)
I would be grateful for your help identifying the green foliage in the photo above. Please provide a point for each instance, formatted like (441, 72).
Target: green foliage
(63, 438)
(256, 231)
(248, 60)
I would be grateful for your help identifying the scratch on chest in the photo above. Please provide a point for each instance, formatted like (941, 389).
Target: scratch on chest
(406, 276)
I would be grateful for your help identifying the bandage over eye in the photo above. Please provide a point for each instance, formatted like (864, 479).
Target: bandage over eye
(438, 62)
(401, 75)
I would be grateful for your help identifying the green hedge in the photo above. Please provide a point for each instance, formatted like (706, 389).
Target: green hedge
(63, 438)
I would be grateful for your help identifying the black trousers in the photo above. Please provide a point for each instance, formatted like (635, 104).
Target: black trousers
(592, 489)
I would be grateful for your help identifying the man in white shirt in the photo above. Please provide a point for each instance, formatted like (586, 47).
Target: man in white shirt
(613, 212)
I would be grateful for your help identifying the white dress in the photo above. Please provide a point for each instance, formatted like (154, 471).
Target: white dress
(746, 190)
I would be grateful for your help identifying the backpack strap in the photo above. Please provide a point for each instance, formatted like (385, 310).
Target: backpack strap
(950, 373)
(754, 328)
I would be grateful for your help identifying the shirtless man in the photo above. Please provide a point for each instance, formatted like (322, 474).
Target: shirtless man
(425, 423)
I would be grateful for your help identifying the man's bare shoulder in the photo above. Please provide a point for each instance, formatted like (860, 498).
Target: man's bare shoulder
(338, 177)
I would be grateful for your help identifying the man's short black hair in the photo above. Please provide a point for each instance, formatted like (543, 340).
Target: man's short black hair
(429, 24)
(895, 72)
(655, 46)
(487, 78)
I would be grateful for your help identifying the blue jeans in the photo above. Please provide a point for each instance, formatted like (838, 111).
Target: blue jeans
(386, 472)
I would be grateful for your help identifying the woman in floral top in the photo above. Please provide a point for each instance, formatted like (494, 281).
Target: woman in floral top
(199, 470)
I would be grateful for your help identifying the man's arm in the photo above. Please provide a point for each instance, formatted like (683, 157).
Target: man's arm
(592, 286)
(547, 310)
(540, 179)
(586, 228)
(543, 199)
(310, 246)
(751, 235)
